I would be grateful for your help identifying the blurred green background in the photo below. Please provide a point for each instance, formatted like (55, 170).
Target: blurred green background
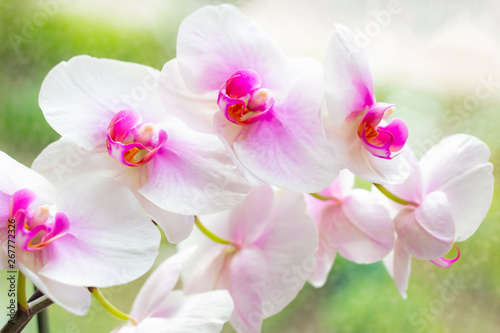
(431, 69)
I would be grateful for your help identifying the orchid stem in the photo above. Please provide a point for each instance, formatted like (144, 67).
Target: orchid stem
(22, 303)
(393, 197)
(321, 197)
(210, 234)
(110, 307)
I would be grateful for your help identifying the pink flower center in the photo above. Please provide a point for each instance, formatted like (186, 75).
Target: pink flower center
(130, 141)
(382, 141)
(35, 228)
(242, 99)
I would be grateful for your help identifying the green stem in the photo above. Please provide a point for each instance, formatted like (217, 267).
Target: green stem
(110, 307)
(393, 197)
(22, 303)
(209, 234)
(321, 197)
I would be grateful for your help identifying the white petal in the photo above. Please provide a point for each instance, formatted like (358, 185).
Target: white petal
(459, 166)
(427, 232)
(159, 285)
(354, 156)
(247, 280)
(73, 299)
(287, 148)
(216, 41)
(193, 174)
(398, 264)
(111, 240)
(64, 161)
(80, 97)
(289, 244)
(361, 228)
(205, 312)
(14, 176)
(177, 227)
(348, 82)
(197, 111)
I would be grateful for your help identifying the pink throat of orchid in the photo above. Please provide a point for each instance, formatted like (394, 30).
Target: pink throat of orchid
(130, 141)
(242, 98)
(382, 141)
(35, 227)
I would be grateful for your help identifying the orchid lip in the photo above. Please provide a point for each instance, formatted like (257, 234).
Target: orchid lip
(35, 228)
(131, 142)
(382, 141)
(243, 99)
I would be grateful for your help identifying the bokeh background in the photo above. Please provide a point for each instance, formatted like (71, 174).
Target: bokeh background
(437, 60)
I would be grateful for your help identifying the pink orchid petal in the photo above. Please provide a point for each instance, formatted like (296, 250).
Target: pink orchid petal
(341, 186)
(397, 128)
(21, 200)
(382, 140)
(61, 226)
(197, 111)
(204, 273)
(148, 325)
(411, 189)
(81, 96)
(206, 312)
(193, 174)
(241, 82)
(97, 208)
(459, 167)
(325, 255)
(362, 236)
(159, 285)
(381, 147)
(14, 177)
(353, 155)
(348, 82)
(398, 264)
(375, 114)
(63, 161)
(122, 123)
(177, 227)
(248, 276)
(4, 216)
(427, 232)
(216, 41)
(286, 148)
(74, 299)
(250, 218)
(288, 245)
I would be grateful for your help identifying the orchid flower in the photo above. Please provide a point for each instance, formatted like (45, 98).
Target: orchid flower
(350, 222)
(263, 259)
(160, 309)
(355, 124)
(89, 233)
(230, 78)
(113, 124)
(446, 198)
